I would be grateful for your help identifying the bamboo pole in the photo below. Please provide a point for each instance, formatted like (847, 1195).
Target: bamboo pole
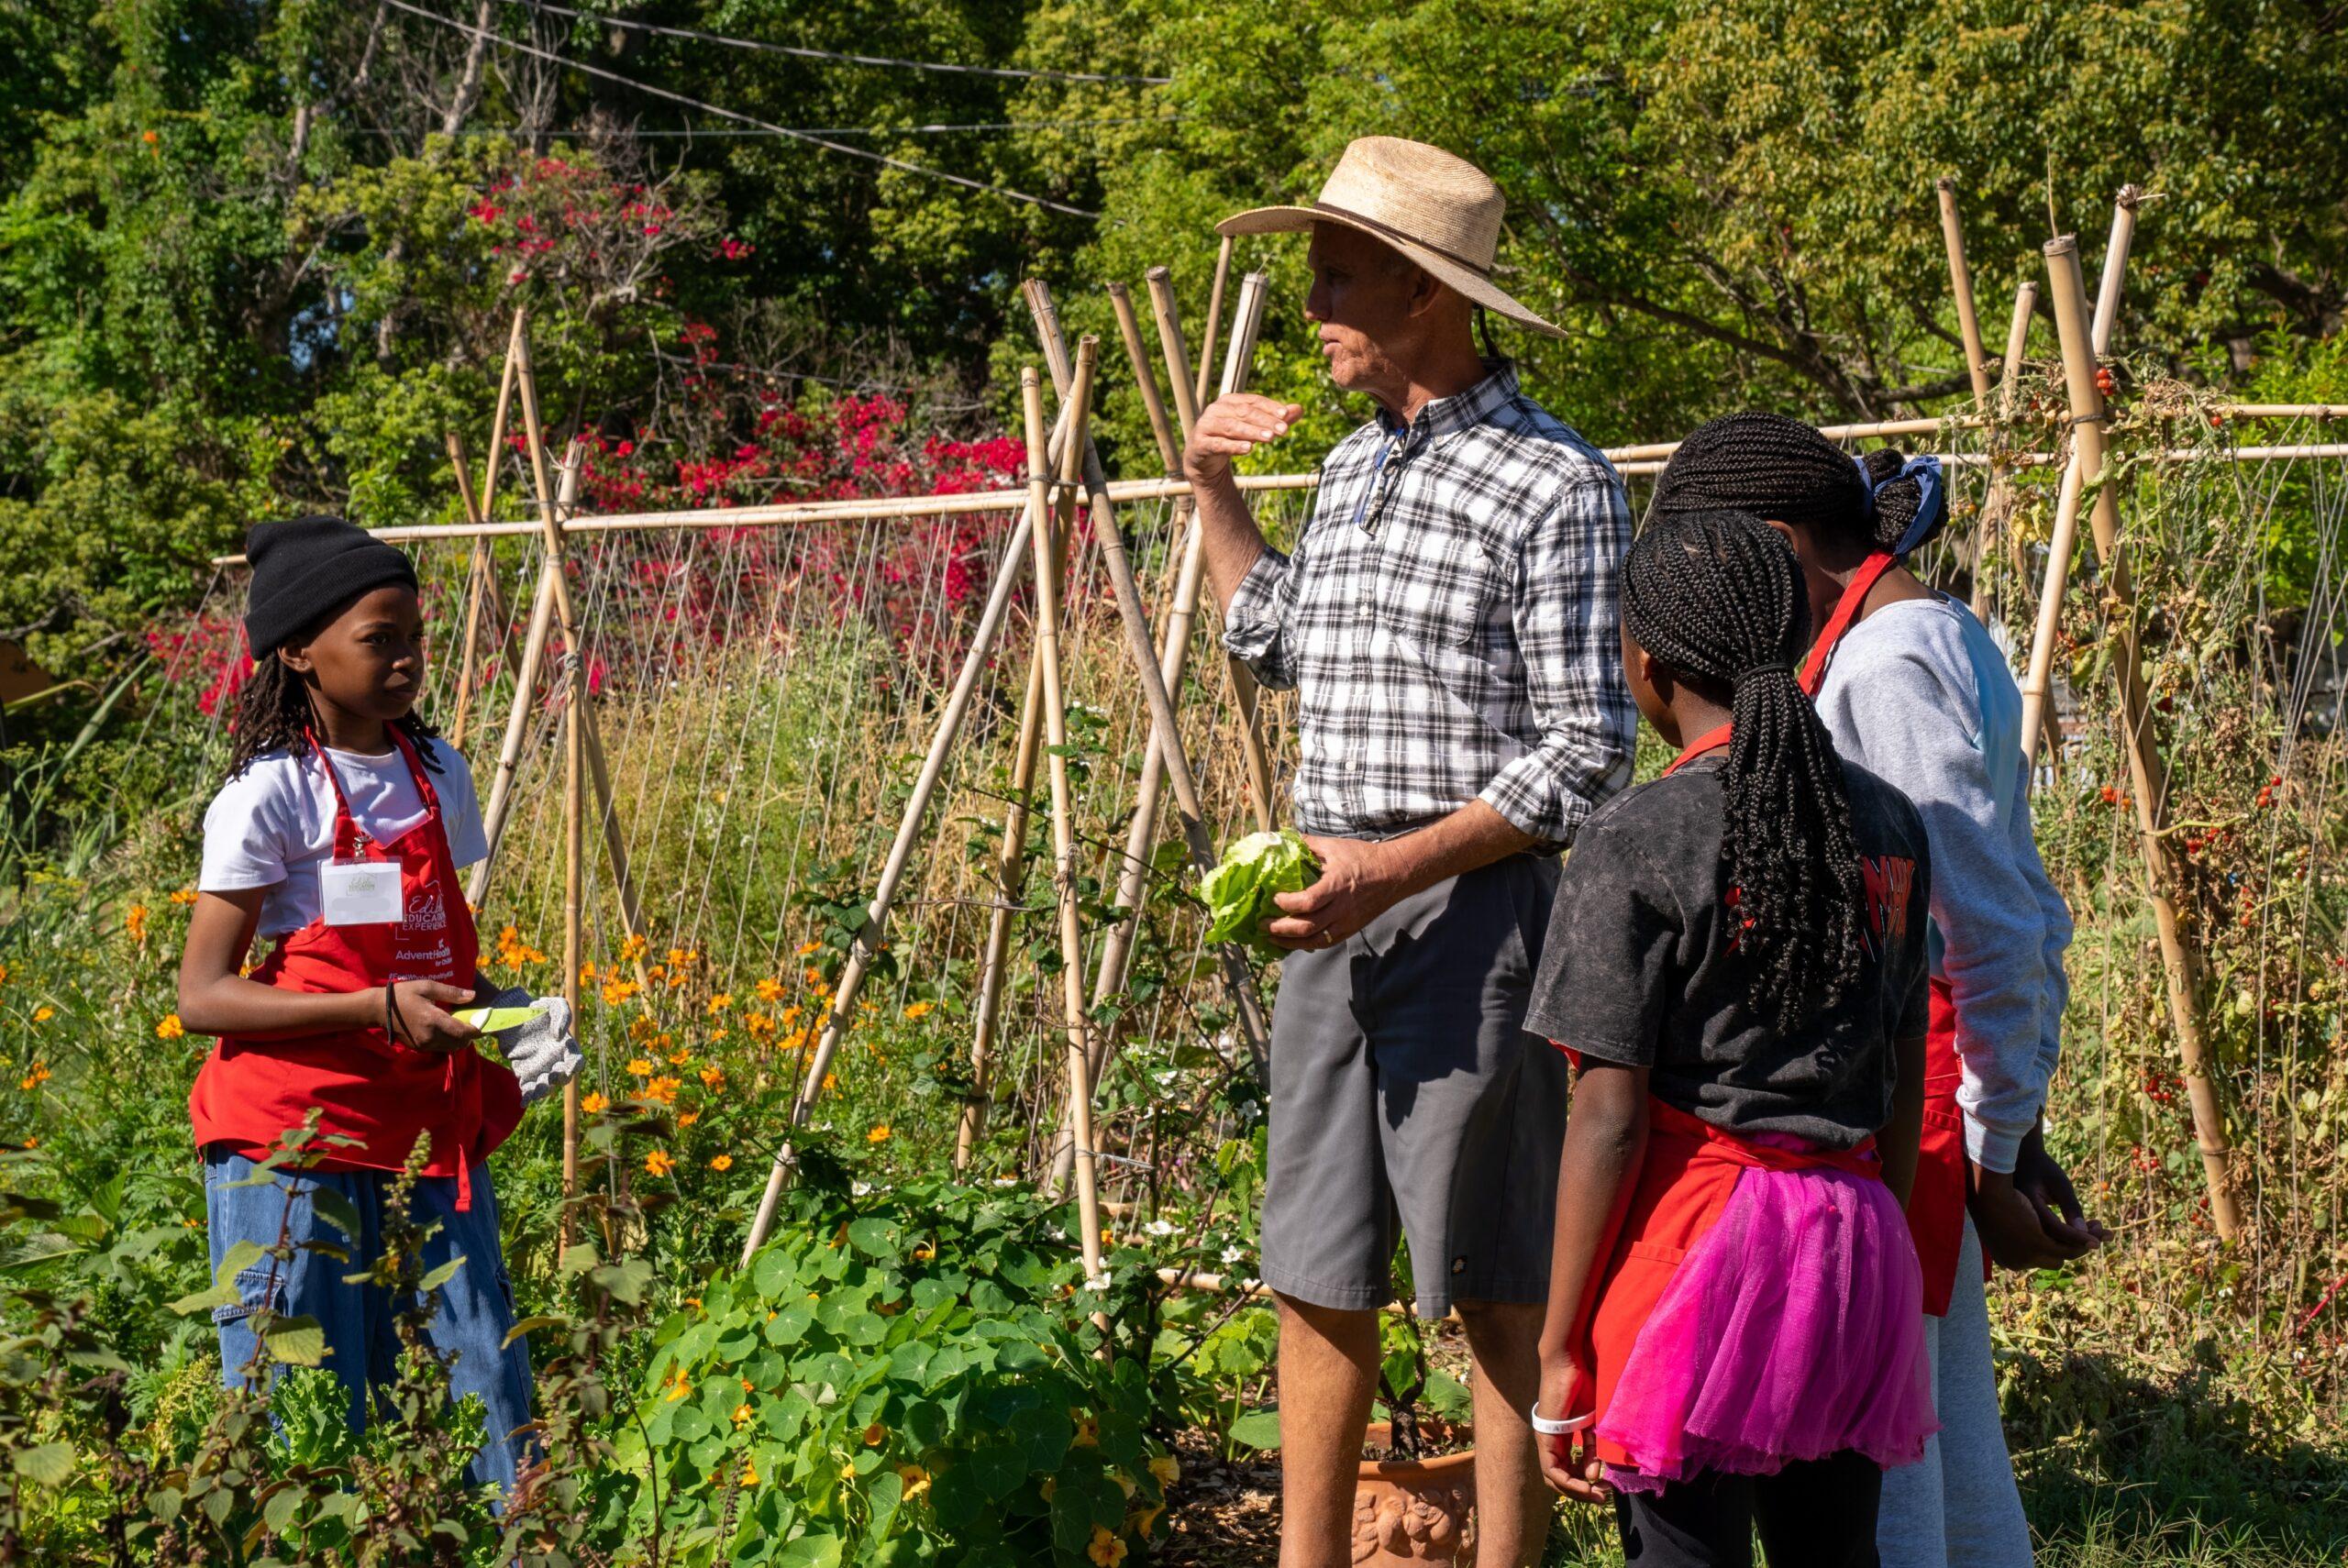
(1977, 370)
(2000, 498)
(1968, 322)
(1011, 882)
(1199, 382)
(1047, 656)
(574, 821)
(1133, 875)
(483, 562)
(2147, 771)
(893, 872)
(1188, 805)
(483, 604)
(517, 719)
(1239, 358)
(2115, 264)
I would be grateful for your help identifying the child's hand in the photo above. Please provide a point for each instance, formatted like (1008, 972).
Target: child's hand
(420, 1015)
(2008, 1223)
(1569, 1463)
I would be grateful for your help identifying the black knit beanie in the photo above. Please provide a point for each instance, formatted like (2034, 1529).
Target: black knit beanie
(1785, 470)
(306, 569)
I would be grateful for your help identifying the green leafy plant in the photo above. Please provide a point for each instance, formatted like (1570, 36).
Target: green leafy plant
(1239, 892)
(917, 1377)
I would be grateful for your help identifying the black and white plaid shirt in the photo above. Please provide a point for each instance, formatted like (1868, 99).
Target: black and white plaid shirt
(1449, 623)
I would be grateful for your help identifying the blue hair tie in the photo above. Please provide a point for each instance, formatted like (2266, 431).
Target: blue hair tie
(1932, 502)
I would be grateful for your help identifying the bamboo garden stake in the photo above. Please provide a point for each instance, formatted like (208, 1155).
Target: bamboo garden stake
(1174, 644)
(1047, 656)
(909, 828)
(1188, 805)
(2148, 774)
(483, 575)
(1200, 383)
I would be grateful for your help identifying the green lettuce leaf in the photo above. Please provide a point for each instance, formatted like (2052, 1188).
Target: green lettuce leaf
(1238, 892)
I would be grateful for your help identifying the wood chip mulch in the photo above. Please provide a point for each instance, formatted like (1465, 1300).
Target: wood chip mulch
(1222, 1514)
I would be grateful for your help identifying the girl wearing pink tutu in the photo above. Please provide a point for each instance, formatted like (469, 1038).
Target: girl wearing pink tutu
(1737, 966)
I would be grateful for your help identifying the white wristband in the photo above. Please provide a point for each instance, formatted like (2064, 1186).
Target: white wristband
(1567, 1428)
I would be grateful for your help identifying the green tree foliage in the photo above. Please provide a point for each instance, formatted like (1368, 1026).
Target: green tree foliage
(260, 257)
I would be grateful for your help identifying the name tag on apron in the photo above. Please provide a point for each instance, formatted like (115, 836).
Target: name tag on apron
(361, 893)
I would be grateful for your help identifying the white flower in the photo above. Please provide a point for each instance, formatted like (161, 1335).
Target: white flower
(1232, 1255)
(860, 1188)
(1159, 1227)
(1006, 1181)
(1056, 1234)
(1099, 1281)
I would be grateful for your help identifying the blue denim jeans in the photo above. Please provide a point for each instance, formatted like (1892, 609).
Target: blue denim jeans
(476, 1304)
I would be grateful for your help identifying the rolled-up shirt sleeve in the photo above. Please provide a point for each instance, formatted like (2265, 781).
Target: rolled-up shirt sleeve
(1564, 585)
(1256, 624)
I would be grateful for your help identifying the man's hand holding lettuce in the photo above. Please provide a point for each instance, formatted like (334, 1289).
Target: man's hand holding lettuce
(1238, 892)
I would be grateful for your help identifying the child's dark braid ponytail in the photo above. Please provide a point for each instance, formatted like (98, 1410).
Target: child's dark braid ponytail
(1718, 598)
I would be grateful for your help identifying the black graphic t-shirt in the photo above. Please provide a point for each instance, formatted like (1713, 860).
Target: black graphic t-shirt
(1642, 967)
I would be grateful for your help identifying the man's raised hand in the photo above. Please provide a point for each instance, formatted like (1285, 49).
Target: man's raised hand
(1232, 427)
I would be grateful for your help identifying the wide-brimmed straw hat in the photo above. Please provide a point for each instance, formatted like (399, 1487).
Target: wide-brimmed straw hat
(1439, 210)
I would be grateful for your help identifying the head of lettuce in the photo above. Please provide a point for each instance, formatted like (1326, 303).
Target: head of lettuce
(1238, 892)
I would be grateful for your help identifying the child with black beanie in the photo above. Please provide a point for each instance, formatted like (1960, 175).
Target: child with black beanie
(339, 837)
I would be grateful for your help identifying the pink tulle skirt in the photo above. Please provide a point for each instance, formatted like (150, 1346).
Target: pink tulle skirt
(1793, 1329)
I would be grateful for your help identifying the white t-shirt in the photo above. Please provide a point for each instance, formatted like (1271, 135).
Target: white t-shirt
(272, 825)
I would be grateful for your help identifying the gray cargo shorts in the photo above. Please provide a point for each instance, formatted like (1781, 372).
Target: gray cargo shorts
(1405, 1090)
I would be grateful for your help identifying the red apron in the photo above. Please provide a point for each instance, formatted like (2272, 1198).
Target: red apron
(1690, 1171)
(1936, 1203)
(370, 1087)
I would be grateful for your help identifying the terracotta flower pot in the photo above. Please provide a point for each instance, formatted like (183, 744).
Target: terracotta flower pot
(1415, 1511)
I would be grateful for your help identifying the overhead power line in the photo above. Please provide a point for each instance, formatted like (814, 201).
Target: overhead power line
(770, 128)
(798, 52)
(867, 130)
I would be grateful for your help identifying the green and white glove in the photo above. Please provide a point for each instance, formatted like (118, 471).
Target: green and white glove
(535, 1034)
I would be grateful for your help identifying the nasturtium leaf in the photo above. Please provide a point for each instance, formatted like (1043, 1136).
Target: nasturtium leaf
(1256, 1428)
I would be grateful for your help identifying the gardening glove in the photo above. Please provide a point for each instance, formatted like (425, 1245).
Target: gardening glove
(542, 1051)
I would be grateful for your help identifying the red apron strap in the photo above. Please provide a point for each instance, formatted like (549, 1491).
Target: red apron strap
(1847, 612)
(347, 834)
(1704, 744)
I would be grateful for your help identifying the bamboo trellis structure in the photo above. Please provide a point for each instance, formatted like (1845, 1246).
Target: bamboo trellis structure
(1043, 545)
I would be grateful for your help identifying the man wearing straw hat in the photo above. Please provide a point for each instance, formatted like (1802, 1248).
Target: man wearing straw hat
(1448, 618)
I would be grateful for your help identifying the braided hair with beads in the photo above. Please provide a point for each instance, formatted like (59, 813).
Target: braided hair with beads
(1717, 598)
(1786, 471)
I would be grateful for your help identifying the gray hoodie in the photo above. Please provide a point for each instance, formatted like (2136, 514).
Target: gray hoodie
(1919, 694)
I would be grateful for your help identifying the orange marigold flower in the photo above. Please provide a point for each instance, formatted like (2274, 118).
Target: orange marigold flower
(713, 1077)
(658, 1163)
(807, 947)
(135, 922)
(636, 946)
(171, 1028)
(721, 1162)
(593, 1104)
(640, 1067)
(43, 1014)
(879, 1134)
(720, 1002)
(663, 1090)
(38, 1076)
(916, 1012)
(184, 895)
(769, 990)
(687, 1118)
(812, 976)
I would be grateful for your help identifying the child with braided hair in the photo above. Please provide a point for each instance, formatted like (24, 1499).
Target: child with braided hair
(1912, 687)
(1735, 964)
(337, 838)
